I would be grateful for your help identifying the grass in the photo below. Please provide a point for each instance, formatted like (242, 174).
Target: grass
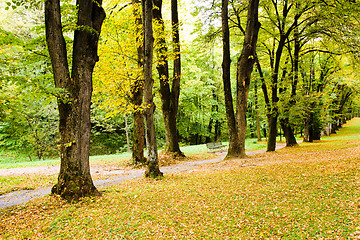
(28, 182)
(294, 193)
(13, 159)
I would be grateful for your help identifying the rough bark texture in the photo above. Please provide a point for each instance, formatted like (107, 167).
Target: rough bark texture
(137, 92)
(258, 133)
(151, 144)
(173, 145)
(272, 120)
(285, 124)
(244, 69)
(234, 147)
(169, 97)
(74, 179)
(288, 132)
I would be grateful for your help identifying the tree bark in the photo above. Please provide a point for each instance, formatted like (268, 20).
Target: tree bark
(74, 180)
(127, 134)
(175, 88)
(151, 144)
(288, 132)
(234, 146)
(137, 92)
(272, 120)
(169, 97)
(257, 119)
(244, 69)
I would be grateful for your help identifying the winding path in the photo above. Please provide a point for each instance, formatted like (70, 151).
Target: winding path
(115, 177)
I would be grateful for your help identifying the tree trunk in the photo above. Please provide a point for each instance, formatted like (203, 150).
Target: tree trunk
(288, 132)
(137, 92)
(169, 98)
(271, 144)
(285, 123)
(74, 180)
(307, 130)
(257, 119)
(138, 142)
(208, 138)
(217, 134)
(152, 161)
(244, 69)
(175, 88)
(234, 146)
(127, 134)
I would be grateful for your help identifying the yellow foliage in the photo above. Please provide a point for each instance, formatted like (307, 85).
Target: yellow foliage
(117, 68)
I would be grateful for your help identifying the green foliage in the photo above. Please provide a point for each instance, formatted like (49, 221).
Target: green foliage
(201, 100)
(108, 134)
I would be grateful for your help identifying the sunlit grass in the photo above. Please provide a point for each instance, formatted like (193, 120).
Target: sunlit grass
(27, 182)
(12, 159)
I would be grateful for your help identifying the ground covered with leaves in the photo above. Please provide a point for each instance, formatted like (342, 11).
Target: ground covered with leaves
(305, 192)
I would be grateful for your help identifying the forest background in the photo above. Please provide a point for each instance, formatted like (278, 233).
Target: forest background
(313, 49)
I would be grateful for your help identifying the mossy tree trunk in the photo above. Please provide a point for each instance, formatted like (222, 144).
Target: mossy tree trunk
(75, 91)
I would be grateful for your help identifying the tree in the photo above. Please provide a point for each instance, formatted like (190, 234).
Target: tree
(118, 83)
(74, 180)
(169, 96)
(282, 20)
(151, 144)
(201, 104)
(234, 147)
(237, 125)
(137, 92)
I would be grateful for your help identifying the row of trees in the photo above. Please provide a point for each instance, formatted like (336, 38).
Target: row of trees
(304, 67)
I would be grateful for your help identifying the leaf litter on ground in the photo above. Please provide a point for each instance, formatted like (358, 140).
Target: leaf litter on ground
(303, 192)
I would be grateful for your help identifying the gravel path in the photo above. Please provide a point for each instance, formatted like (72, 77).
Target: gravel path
(115, 176)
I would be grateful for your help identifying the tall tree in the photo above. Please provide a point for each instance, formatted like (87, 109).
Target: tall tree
(279, 14)
(74, 179)
(169, 96)
(234, 146)
(149, 105)
(244, 69)
(237, 125)
(137, 92)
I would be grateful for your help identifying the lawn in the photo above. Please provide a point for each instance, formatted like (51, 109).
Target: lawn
(13, 159)
(302, 192)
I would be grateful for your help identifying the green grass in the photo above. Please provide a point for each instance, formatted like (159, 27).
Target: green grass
(28, 182)
(12, 159)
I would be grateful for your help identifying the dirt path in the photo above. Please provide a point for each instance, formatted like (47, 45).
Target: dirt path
(114, 176)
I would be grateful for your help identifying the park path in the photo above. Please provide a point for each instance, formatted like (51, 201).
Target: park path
(114, 177)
